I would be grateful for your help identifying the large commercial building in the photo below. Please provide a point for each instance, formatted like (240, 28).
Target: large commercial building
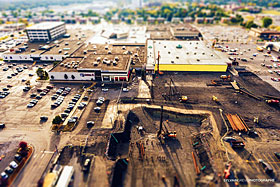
(100, 62)
(40, 51)
(46, 31)
(184, 56)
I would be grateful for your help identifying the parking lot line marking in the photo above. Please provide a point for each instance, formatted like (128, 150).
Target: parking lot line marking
(248, 162)
(276, 163)
(254, 163)
(43, 155)
(268, 161)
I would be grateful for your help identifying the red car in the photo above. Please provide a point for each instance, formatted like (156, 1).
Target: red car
(275, 79)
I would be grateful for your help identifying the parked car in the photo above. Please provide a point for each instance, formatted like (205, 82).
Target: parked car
(18, 158)
(267, 168)
(97, 109)
(43, 118)
(277, 154)
(9, 170)
(4, 175)
(105, 89)
(90, 123)
(86, 165)
(125, 89)
(13, 165)
(30, 105)
(2, 125)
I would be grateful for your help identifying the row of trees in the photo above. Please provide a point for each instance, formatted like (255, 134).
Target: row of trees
(168, 11)
(266, 22)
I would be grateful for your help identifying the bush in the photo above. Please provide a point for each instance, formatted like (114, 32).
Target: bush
(57, 120)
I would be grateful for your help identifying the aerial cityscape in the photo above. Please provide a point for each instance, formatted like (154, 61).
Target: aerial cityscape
(139, 93)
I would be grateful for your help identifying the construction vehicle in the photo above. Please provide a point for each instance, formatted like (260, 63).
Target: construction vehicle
(272, 101)
(183, 99)
(227, 170)
(225, 77)
(237, 144)
(214, 98)
(164, 133)
(168, 134)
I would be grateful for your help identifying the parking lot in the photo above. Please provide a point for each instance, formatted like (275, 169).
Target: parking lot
(15, 113)
(240, 45)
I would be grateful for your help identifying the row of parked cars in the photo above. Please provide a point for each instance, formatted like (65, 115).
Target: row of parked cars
(59, 96)
(12, 167)
(97, 109)
(37, 96)
(5, 92)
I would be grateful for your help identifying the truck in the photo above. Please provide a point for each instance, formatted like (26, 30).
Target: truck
(237, 144)
(66, 177)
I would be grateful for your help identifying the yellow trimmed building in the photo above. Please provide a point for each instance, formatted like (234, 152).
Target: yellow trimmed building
(184, 56)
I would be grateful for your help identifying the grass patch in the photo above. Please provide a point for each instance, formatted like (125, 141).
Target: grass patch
(272, 12)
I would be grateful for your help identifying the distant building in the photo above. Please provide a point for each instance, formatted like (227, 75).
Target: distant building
(151, 20)
(94, 20)
(185, 32)
(140, 20)
(188, 20)
(225, 20)
(264, 34)
(209, 20)
(13, 27)
(46, 31)
(199, 20)
(160, 20)
(69, 20)
(115, 19)
(176, 20)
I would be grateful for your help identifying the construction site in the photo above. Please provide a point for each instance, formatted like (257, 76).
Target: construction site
(195, 129)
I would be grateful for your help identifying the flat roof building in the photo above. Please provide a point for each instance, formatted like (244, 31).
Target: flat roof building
(185, 31)
(45, 31)
(100, 62)
(265, 34)
(184, 56)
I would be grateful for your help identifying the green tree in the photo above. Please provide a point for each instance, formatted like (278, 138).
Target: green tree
(251, 24)
(57, 120)
(266, 22)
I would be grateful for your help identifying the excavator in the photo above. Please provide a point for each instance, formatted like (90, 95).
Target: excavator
(164, 133)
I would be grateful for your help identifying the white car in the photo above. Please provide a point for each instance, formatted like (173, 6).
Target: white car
(125, 89)
(13, 165)
(270, 71)
(105, 89)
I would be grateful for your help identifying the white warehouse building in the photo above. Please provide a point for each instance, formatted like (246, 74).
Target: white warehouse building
(46, 31)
